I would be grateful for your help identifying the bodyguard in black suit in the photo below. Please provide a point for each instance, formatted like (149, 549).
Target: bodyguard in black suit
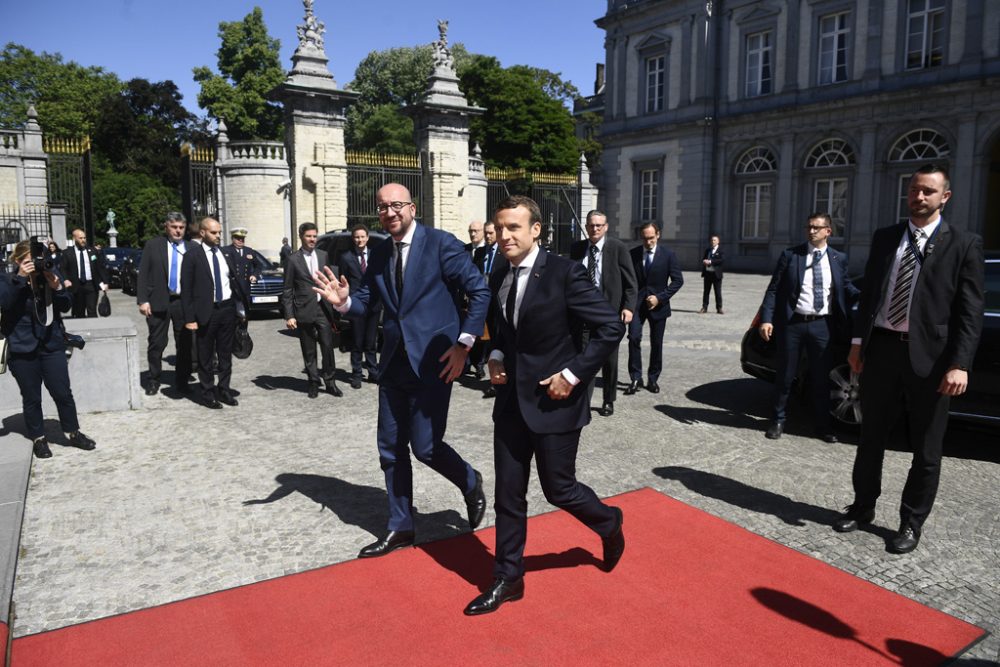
(85, 274)
(353, 264)
(542, 403)
(659, 277)
(915, 336)
(213, 300)
(711, 274)
(158, 293)
(608, 266)
(307, 313)
(807, 305)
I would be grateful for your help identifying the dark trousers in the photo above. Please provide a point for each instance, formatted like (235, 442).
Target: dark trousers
(311, 333)
(363, 333)
(889, 387)
(413, 415)
(712, 281)
(31, 370)
(790, 339)
(656, 328)
(216, 336)
(514, 444)
(609, 373)
(85, 300)
(159, 323)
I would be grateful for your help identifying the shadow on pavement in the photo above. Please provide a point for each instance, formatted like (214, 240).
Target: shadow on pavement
(745, 397)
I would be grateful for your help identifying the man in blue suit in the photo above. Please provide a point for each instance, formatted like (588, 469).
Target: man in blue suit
(807, 304)
(426, 341)
(658, 274)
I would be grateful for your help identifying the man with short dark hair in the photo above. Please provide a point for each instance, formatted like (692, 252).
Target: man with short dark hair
(159, 286)
(85, 275)
(915, 336)
(286, 252)
(354, 265)
(486, 258)
(609, 268)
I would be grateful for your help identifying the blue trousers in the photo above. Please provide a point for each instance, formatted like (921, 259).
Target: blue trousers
(31, 370)
(814, 337)
(413, 415)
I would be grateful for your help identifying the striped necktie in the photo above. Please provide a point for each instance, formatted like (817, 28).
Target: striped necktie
(900, 300)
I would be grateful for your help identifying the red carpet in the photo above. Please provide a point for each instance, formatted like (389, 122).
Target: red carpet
(691, 590)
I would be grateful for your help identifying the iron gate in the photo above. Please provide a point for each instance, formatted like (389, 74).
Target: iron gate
(198, 183)
(69, 180)
(367, 172)
(555, 194)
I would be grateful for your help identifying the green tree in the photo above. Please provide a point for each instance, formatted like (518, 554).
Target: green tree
(66, 95)
(250, 68)
(139, 201)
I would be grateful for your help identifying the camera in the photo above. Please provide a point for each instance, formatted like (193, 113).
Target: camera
(40, 255)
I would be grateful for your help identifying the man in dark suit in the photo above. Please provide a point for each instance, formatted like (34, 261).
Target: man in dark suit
(213, 300)
(659, 276)
(354, 265)
(307, 313)
(542, 403)
(609, 267)
(85, 275)
(286, 252)
(476, 239)
(711, 274)
(807, 305)
(243, 258)
(426, 342)
(915, 335)
(158, 293)
(485, 259)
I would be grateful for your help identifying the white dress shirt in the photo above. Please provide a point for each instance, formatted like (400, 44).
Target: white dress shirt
(805, 306)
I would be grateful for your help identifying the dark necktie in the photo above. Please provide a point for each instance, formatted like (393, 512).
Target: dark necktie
(817, 281)
(83, 266)
(900, 299)
(489, 259)
(172, 282)
(399, 268)
(592, 264)
(512, 295)
(649, 260)
(364, 262)
(218, 273)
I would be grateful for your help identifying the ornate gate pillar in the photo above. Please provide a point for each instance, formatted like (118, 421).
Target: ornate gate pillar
(441, 130)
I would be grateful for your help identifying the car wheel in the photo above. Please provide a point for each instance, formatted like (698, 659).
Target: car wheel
(845, 396)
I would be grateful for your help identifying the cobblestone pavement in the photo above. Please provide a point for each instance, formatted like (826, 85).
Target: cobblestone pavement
(179, 501)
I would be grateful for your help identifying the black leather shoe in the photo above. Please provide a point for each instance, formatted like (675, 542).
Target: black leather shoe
(775, 430)
(501, 591)
(333, 389)
(212, 404)
(607, 410)
(394, 540)
(475, 503)
(479, 372)
(489, 392)
(227, 398)
(829, 438)
(355, 382)
(41, 449)
(904, 541)
(633, 386)
(653, 388)
(81, 441)
(152, 388)
(313, 390)
(614, 544)
(854, 518)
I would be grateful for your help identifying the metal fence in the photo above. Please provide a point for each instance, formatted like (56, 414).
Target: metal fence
(69, 179)
(198, 182)
(555, 194)
(21, 222)
(367, 172)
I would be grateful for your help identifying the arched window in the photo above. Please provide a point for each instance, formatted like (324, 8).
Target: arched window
(757, 192)
(922, 144)
(830, 189)
(830, 153)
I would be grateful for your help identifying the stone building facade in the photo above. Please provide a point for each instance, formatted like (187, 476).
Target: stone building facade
(740, 117)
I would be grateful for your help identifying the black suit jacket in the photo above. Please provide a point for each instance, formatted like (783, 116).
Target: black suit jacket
(19, 323)
(662, 281)
(946, 313)
(198, 286)
(479, 259)
(716, 262)
(298, 298)
(618, 282)
(151, 283)
(70, 267)
(558, 298)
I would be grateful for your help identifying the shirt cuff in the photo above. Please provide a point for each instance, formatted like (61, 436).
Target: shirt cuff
(572, 379)
(467, 339)
(496, 355)
(855, 341)
(343, 308)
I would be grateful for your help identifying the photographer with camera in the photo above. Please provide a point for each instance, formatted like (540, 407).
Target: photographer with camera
(31, 300)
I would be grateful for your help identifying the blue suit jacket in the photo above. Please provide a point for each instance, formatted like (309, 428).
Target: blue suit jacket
(786, 283)
(662, 281)
(427, 320)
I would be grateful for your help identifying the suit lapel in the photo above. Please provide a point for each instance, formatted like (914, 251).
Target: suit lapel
(934, 249)
(531, 287)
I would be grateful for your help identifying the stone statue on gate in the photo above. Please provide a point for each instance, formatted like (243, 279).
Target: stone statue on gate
(311, 32)
(442, 54)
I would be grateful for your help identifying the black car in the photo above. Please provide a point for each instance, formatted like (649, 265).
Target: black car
(113, 259)
(335, 244)
(980, 402)
(128, 273)
(265, 294)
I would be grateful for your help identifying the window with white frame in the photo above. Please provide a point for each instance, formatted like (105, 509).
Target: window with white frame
(921, 144)
(655, 67)
(830, 196)
(833, 34)
(830, 190)
(759, 64)
(902, 201)
(649, 194)
(756, 169)
(925, 33)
